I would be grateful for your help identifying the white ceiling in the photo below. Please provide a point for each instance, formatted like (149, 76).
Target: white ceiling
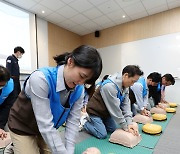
(86, 16)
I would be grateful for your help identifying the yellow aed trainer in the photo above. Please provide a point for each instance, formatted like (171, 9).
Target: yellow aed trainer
(170, 110)
(152, 129)
(172, 104)
(159, 117)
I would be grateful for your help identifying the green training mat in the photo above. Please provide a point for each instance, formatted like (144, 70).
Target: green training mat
(150, 141)
(109, 148)
(146, 145)
(1, 150)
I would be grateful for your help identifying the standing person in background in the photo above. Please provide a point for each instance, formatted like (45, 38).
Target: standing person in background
(51, 96)
(110, 104)
(6, 98)
(13, 67)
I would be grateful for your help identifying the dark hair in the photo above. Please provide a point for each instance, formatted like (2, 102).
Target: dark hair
(83, 56)
(105, 77)
(170, 78)
(90, 91)
(4, 74)
(20, 49)
(155, 76)
(132, 70)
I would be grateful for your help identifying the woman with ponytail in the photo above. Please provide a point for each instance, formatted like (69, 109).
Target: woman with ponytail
(50, 97)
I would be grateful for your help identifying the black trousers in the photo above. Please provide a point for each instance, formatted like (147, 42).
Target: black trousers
(17, 87)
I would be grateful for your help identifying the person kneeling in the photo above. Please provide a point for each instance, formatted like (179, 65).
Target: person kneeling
(110, 104)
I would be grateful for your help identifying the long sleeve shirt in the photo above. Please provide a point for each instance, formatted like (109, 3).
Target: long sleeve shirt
(141, 101)
(119, 111)
(13, 66)
(37, 89)
(163, 92)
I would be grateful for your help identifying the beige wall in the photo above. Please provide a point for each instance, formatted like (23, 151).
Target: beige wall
(151, 26)
(60, 41)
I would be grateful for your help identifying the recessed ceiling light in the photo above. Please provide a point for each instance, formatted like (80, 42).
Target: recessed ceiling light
(123, 16)
(43, 11)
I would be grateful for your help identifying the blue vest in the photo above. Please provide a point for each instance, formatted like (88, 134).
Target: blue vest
(143, 82)
(6, 90)
(99, 83)
(158, 87)
(119, 95)
(60, 113)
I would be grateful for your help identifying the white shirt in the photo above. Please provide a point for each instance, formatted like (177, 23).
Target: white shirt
(163, 92)
(141, 101)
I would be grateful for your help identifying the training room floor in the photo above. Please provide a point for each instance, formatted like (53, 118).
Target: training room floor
(169, 142)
